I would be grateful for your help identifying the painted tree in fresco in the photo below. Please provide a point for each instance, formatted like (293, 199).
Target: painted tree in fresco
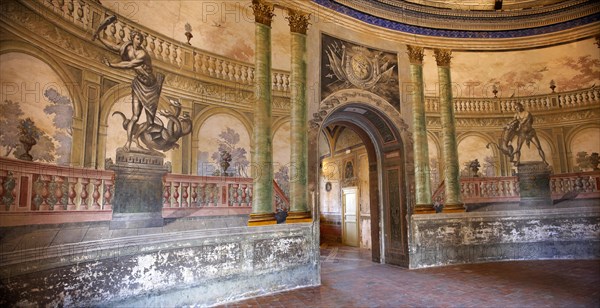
(43, 150)
(10, 113)
(282, 178)
(61, 107)
(228, 140)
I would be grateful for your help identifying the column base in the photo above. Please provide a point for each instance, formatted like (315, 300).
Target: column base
(262, 219)
(424, 209)
(454, 208)
(298, 217)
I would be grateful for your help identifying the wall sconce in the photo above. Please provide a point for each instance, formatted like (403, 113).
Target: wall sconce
(552, 85)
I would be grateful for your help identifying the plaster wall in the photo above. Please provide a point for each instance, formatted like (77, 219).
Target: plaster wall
(200, 268)
(456, 238)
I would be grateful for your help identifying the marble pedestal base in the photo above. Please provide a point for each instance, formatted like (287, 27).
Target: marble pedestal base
(138, 190)
(534, 183)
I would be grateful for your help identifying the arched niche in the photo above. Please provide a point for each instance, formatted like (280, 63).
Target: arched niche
(583, 143)
(473, 146)
(32, 88)
(223, 131)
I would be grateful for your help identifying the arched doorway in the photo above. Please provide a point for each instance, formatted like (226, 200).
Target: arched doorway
(383, 134)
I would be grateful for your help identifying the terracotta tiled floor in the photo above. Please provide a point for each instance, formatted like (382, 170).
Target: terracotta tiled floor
(350, 279)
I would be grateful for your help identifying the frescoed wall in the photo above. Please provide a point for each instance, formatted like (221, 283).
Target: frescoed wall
(31, 89)
(222, 27)
(223, 132)
(585, 146)
(471, 148)
(519, 73)
(281, 157)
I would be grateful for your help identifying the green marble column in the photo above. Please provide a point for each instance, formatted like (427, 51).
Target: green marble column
(453, 201)
(262, 147)
(420, 147)
(299, 207)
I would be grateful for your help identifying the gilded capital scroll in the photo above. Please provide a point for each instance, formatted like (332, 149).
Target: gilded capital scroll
(442, 56)
(263, 13)
(298, 21)
(415, 54)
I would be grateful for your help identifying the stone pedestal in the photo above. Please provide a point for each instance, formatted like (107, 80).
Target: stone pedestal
(534, 183)
(138, 190)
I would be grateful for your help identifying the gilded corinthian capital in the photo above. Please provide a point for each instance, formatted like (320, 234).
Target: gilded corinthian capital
(415, 54)
(298, 21)
(442, 56)
(263, 13)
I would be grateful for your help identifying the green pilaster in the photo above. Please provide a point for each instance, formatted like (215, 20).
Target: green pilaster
(450, 151)
(420, 147)
(262, 147)
(299, 208)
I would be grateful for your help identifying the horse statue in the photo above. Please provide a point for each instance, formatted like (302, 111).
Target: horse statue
(158, 137)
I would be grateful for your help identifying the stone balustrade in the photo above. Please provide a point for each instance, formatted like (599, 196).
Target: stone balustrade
(37, 187)
(86, 15)
(553, 101)
(191, 191)
(27, 188)
(580, 185)
(584, 184)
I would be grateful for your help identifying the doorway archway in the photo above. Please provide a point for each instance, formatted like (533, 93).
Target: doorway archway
(383, 132)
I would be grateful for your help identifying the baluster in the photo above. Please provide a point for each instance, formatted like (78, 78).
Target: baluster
(236, 72)
(244, 195)
(58, 193)
(107, 194)
(245, 74)
(233, 194)
(96, 194)
(168, 52)
(84, 193)
(217, 195)
(210, 194)
(72, 194)
(184, 194)
(159, 55)
(203, 63)
(251, 76)
(175, 55)
(152, 45)
(145, 42)
(219, 68)
(211, 66)
(225, 70)
(194, 195)
(43, 180)
(176, 194)
(197, 61)
(167, 194)
(250, 192)
(202, 194)
(121, 31)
